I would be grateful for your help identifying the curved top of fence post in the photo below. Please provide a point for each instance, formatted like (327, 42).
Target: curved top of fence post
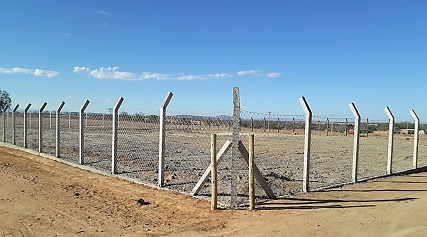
(43, 106)
(414, 115)
(166, 100)
(118, 104)
(84, 106)
(60, 107)
(305, 106)
(389, 113)
(16, 108)
(28, 107)
(354, 111)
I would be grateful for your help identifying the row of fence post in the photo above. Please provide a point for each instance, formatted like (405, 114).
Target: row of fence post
(356, 145)
(82, 132)
(235, 134)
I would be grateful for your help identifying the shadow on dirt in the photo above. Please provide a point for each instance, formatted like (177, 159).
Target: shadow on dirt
(309, 204)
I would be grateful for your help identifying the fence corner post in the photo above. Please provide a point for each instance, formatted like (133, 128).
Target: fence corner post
(162, 132)
(390, 140)
(81, 131)
(356, 142)
(416, 139)
(41, 127)
(114, 139)
(307, 144)
(58, 130)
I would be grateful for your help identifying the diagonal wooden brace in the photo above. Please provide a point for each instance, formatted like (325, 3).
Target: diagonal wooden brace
(258, 175)
(205, 175)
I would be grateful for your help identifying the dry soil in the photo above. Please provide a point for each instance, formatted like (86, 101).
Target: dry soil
(42, 197)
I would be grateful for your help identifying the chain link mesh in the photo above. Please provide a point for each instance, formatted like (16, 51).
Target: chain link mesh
(69, 135)
(279, 147)
(188, 151)
(98, 139)
(138, 146)
(331, 151)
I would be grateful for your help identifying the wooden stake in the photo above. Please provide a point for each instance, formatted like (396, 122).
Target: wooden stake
(251, 173)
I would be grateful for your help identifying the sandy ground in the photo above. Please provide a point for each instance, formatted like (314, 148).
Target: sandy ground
(42, 197)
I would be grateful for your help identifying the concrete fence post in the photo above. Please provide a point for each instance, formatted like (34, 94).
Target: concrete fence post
(356, 141)
(50, 120)
(416, 139)
(265, 124)
(4, 123)
(235, 146)
(346, 127)
(293, 126)
(390, 140)
(14, 124)
(162, 138)
(26, 125)
(307, 144)
(41, 127)
(82, 131)
(214, 179)
(367, 127)
(327, 126)
(58, 129)
(114, 139)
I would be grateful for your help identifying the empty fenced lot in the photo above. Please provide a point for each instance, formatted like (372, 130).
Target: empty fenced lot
(279, 151)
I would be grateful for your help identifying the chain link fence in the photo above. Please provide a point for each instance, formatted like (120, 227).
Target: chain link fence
(279, 147)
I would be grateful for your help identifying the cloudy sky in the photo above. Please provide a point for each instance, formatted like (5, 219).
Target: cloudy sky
(372, 53)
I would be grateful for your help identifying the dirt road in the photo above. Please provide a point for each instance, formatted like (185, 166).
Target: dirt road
(42, 197)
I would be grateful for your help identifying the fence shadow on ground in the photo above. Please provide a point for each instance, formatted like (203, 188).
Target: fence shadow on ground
(289, 203)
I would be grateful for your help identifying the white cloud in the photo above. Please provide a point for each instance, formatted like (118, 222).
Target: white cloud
(203, 77)
(67, 34)
(34, 72)
(274, 74)
(248, 72)
(114, 73)
(101, 12)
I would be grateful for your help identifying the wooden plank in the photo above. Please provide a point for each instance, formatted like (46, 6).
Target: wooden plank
(258, 175)
(251, 173)
(202, 180)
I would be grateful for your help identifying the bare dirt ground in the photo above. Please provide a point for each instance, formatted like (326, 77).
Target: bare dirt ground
(42, 197)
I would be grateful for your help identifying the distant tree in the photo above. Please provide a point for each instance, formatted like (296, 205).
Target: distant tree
(5, 101)
(383, 127)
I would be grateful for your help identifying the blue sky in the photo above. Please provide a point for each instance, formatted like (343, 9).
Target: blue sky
(372, 53)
